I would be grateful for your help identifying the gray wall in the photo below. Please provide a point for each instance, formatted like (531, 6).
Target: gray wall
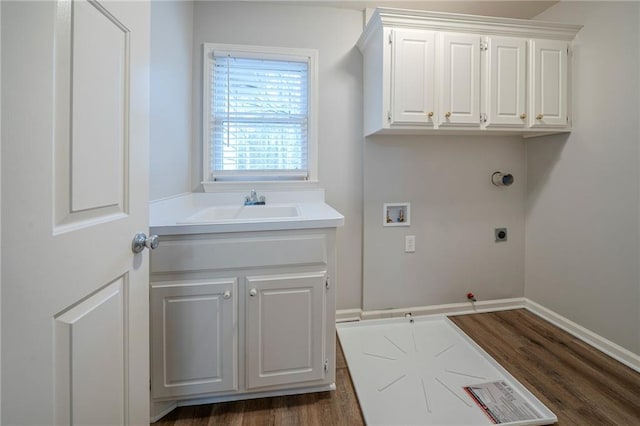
(170, 114)
(582, 196)
(454, 210)
(333, 32)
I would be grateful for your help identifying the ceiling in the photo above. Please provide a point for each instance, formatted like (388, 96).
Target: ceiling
(523, 9)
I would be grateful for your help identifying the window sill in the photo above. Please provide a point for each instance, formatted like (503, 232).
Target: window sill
(230, 186)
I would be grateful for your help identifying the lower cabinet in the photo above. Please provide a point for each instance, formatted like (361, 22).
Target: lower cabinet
(226, 333)
(194, 337)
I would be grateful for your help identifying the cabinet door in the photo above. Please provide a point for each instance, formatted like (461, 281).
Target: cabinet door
(193, 337)
(412, 77)
(285, 329)
(505, 79)
(460, 88)
(548, 83)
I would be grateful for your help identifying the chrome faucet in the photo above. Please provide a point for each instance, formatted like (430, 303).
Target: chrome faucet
(254, 200)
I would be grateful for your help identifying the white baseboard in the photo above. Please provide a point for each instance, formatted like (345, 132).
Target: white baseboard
(348, 315)
(606, 346)
(448, 309)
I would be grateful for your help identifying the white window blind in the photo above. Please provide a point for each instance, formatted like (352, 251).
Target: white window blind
(259, 117)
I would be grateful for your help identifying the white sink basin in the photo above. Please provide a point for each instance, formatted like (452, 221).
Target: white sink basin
(268, 212)
(244, 213)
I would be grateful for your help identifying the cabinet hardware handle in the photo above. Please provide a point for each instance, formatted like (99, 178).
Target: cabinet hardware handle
(539, 117)
(253, 292)
(430, 114)
(447, 114)
(523, 116)
(227, 294)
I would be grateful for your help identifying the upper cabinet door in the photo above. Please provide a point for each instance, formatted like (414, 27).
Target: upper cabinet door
(505, 80)
(548, 83)
(412, 77)
(460, 88)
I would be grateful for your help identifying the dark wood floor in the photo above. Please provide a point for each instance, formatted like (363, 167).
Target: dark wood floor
(579, 384)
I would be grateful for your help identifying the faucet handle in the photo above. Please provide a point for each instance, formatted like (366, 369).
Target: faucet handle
(252, 199)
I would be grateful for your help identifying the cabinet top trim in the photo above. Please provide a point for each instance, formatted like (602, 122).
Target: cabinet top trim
(486, 25)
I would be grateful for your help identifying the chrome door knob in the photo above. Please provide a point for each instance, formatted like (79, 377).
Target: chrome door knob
(226, 295)
(141, 241)
(253, 292)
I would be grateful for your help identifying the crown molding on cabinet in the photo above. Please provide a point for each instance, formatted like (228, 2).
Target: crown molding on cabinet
(461, 23)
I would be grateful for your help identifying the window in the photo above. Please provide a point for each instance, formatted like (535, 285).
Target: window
(259, 113)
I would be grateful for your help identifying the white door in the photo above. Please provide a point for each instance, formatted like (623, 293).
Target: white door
(412, 75)
(285, 329)
(505, 79)
(460, 88)
(75, 313)
(548, 83)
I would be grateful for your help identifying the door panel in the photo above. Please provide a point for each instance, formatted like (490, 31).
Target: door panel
(92, 84)
(68, 271)
(90, 333)
(100, 69)
(285, 329)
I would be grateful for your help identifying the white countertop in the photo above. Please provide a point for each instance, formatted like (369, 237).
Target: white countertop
(167, 215)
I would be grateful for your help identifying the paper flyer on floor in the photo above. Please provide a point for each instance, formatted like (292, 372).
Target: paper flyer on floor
(501, 403)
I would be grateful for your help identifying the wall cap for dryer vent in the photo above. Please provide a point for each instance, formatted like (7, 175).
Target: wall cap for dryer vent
(502, 179)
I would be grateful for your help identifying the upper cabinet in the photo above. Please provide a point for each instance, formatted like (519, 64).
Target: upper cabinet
(442, 73)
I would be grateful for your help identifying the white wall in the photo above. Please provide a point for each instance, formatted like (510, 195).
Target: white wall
(170, 112)
(454, 210)
(583, 189)
(333, 32)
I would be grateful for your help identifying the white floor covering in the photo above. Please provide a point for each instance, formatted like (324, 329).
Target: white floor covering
(413, 373)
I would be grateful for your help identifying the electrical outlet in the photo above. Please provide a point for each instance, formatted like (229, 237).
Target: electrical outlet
(500, 234)
(409, 243)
